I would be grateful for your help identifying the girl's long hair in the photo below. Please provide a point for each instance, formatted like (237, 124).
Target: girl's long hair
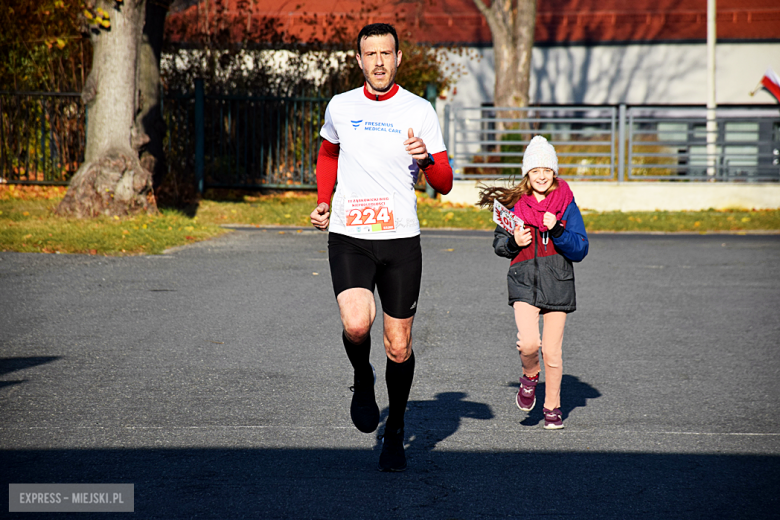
(508, 196)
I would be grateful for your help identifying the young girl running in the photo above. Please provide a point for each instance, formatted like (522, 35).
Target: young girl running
(541, 275)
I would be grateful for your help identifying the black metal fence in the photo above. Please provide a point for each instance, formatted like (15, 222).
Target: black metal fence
(42, 136)
(251, 141)
(227, 141)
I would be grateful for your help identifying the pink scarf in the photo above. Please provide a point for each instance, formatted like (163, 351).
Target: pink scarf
(532, 211)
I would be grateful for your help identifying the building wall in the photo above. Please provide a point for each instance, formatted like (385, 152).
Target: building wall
(636, 74)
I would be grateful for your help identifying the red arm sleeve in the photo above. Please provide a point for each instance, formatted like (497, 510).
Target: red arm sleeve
(327, 168)
(439, 175)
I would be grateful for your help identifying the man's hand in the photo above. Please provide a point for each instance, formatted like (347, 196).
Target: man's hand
(417, 149)
(320, 217)
(549, 220)
(522, 236)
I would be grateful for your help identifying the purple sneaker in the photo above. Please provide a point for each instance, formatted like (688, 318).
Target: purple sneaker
(526, 395)
(553, 420)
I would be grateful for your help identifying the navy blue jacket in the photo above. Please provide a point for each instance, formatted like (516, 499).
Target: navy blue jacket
(541, 273)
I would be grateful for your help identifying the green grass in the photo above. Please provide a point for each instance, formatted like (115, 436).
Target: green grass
(28, 224)
(684, 221)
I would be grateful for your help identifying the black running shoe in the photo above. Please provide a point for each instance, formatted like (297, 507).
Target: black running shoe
(392, 457)
(364, 411)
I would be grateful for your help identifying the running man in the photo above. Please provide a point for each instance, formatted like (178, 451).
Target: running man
(376, 140)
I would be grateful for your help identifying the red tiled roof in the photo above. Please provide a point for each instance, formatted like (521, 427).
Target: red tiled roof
(459, 21)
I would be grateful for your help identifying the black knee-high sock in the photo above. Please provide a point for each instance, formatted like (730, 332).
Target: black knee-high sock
(399, 378)
(359, 355)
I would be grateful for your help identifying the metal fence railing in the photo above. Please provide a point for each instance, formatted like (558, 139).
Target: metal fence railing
(226, 141)
(246, 141)
(42, 137)
(488, 142)
(671, 144)
(619, 143)
(272, 142)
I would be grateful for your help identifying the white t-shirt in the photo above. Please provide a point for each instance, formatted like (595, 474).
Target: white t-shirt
(374, 167)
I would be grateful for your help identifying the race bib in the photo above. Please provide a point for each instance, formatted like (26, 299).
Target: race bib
(369, 214)
(505, 218)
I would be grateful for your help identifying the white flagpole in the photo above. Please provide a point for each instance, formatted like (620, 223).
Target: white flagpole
(712, 124)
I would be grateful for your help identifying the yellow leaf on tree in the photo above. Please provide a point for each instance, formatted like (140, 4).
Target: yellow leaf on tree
(60, 43)
(88, 15)
(105, 23)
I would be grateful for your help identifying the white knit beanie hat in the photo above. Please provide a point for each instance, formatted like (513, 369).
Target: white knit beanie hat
(540, 154)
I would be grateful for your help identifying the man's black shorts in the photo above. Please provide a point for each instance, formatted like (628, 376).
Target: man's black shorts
(393, 266)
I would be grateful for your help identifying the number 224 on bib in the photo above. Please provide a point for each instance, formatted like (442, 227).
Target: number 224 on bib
(370, 214)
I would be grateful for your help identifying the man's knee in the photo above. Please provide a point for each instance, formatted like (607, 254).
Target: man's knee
(357, 310)
(398, 352)
(398, 338)
(357, 332)
(357, 324)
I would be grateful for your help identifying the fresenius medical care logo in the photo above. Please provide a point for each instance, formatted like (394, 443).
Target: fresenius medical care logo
(376, 126)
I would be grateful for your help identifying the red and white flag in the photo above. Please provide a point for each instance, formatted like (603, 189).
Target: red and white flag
(771, 82)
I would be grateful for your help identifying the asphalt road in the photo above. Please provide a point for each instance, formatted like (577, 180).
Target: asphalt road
(213, 379)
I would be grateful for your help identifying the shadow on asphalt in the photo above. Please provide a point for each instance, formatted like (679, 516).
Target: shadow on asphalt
(344, 483)
(8, 365)
(325, 483)
(445, 412)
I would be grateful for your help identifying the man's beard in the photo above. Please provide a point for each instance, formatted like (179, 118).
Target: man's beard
(390, 83)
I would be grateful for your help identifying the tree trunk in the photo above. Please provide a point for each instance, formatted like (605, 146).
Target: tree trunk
(512, 24)
(112, 180)
(149, 119)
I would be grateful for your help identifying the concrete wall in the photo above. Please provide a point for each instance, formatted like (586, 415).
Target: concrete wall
(637, 74)
(651, 196)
